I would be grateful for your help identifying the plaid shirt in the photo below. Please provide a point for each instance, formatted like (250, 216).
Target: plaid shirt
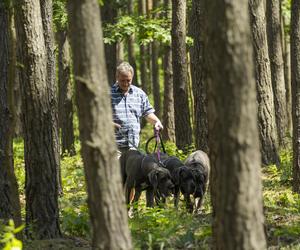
(127, 111)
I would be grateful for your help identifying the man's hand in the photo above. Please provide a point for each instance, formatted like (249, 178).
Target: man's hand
(116, 125)
(158, 125)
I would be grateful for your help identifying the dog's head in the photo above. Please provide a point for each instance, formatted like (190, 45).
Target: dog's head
(160, 179)
(184, 178)
(200, 181)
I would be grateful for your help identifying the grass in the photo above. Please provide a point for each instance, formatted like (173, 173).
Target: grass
(158, 228)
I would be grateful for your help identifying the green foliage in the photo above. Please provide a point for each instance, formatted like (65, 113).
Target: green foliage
(8, 241)
(169, 228)
(60, 15)
(282, 206)
(19, 163)
(286, 12)
(73, 205)
(145, 29)
(156, 228)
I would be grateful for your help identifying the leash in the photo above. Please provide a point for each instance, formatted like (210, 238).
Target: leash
(158, 141)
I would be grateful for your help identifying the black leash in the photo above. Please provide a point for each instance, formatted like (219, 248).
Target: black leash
(156, 143)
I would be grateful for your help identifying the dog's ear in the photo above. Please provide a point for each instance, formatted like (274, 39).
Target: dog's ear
(152, 176)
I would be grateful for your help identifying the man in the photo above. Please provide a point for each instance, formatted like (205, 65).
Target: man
(129, 105)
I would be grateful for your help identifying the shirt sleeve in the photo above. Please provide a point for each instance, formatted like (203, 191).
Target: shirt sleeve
(146, 106)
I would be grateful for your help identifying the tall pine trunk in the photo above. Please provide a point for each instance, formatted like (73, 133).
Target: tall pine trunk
(277, 67)
(109, 14)
(233, 133)
(41, 149)
(155, 67)
(198, 74)
(266, 111)
(183, 130)
(143, 51)
(130, 44)
(168, 132)
(65, 94)
(106, 199)
(9, 196)
(295, 67)
(287, 75)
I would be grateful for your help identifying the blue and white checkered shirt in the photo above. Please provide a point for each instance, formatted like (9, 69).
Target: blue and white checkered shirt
(127, 111)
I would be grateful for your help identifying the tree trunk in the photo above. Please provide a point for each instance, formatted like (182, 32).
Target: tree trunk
(131, 50)
(120, 52)
(9, 196)
(143, 51)
(277, 67)
(233, 141)
(105, 195)
(198, 75)
(155, 68)
(149, 7)
(41, 151)
(65, 94)
(47, 20)
(17, 102)
(168, 132)
(295, 68)
(287, 77)
(266, 112)
(183, 128)
(109, 14)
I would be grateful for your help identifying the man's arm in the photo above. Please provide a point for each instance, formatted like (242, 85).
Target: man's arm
(153, 119)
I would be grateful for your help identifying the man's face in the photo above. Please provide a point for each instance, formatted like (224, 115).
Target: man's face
(124, 81)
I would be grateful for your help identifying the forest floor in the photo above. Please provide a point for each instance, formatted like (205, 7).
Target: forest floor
(167, 228)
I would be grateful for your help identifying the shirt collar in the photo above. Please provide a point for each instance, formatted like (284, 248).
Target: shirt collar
(119, 90)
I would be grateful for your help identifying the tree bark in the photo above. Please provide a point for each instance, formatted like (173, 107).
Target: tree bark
(143, 51)
(287, 77)
(9, 196)
(155, 68)
(198, 75)
(106, 200)
(109, 13)
(266, 111)
(149, 8)
(130, 44)
(183, 128)
(41, 151)
(47, 20)
(233, 141)
(65, 94)
(295, 68)
(168, 132)
(277, 67)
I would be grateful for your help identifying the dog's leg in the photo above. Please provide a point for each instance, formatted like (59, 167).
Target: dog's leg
(149, 197)
(176, 197)
(188, 202)
(131, 195)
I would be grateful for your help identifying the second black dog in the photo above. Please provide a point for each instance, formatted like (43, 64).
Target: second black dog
(182, 178)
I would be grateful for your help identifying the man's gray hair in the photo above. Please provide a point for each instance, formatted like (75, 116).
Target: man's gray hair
(124, 68)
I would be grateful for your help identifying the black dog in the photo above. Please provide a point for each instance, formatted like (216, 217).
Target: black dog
(142, 172)
(199, 164)
(182, 178)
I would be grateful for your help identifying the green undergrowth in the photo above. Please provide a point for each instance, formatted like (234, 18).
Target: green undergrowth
(167, 228)
(281, 205)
